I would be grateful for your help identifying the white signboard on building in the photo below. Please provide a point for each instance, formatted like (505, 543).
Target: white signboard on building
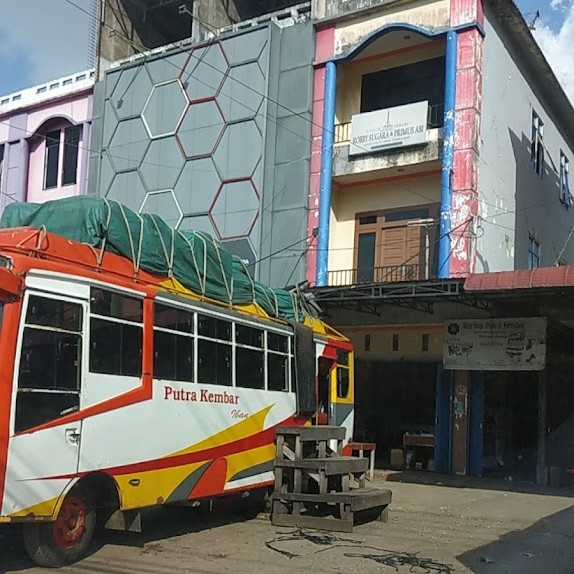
(391, 128)
(495, 344)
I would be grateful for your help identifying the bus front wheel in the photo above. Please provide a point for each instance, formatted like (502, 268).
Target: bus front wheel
(67, 540)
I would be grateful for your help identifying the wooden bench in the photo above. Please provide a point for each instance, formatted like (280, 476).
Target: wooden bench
(361, 448)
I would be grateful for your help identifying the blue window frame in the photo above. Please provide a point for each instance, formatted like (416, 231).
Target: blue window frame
(537, 145)
(565, 195)
(533, 252)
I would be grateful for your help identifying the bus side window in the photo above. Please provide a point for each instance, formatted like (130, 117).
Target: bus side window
(116, 334)
(214, 351)
(50, 362)
(249, 357)
(278, 355)
(173, 343)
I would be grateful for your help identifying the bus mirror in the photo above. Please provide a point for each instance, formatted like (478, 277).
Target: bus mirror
(304, 378)
(9, 285)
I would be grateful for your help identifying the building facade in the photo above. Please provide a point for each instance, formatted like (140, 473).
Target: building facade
(215, 137)
(440, 150)
(45, 134)
(493, 148)
(383, 152)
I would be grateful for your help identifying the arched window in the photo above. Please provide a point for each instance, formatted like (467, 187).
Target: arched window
(61, 141)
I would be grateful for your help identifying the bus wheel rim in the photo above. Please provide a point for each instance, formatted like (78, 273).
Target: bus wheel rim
(71, 523)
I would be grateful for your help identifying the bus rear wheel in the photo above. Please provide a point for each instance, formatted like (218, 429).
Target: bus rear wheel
(67, 540)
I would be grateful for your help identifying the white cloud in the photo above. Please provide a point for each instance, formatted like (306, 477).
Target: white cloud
(52, 35)
(558, 4)
(558, 47)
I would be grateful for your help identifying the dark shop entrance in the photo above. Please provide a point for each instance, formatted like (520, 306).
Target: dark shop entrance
(510, 425)
(395, 408)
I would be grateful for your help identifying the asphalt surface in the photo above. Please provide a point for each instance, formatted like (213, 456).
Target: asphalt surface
(433, 528)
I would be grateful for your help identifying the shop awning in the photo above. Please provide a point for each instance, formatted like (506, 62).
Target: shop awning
(540, 278)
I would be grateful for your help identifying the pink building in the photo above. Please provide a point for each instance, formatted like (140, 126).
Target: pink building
(44, 140)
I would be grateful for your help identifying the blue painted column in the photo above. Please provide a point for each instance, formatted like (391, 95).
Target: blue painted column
(328, 137)
(447, 157)
(475, 423)
(443, 420)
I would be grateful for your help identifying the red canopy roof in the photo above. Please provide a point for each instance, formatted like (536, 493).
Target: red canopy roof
(540, 278)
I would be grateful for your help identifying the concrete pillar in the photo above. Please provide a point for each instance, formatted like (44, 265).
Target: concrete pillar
(24, 151)
(83, 155)
(15, 173)
(4, 197)
(541, 468)
(460, 422)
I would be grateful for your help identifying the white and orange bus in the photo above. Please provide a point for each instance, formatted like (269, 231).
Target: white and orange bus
(120, 392)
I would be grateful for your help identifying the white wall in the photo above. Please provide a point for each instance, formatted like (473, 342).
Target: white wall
(514, 201)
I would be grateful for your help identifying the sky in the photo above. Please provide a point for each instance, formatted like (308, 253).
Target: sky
(41, 40)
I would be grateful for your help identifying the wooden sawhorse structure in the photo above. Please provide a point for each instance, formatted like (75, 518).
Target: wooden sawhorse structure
(317, 487)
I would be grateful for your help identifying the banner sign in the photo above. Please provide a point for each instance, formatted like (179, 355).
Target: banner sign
(495, 344)
(390, 128)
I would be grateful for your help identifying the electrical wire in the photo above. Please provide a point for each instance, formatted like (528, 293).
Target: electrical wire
(265, 96)
(256, 112)
(566, 242)
(383, 556)
(281, 250)
(297, 263)
(265, 116)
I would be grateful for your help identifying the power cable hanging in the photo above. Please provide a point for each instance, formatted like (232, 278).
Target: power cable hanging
(153, 164)
(214, 30)
(147, 52)
(257, 112)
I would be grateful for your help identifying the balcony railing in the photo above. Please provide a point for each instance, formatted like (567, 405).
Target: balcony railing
(386, 274)
(343, 133)
(435, 120)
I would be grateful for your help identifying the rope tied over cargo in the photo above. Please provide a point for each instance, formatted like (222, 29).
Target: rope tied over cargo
(136, 255)
(105, 232)
(105, 225)
(168, 257)
(221, 268)
(200, 277)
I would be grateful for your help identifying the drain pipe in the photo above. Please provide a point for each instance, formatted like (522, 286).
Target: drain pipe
(444, 244)
(328, 139)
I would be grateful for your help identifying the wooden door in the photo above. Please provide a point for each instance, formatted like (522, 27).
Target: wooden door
(401, 254)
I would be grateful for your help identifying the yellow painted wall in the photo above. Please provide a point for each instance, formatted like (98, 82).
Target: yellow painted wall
(430, 15)
(347, 202)
(350, 76)
(410, 344)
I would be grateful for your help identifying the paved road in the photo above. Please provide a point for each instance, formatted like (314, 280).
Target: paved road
(452, 530)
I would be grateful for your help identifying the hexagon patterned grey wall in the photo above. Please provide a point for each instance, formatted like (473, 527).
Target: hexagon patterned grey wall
(183, 134)
(164, 109)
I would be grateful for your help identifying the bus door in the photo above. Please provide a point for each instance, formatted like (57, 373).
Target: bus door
(341, 392)
(325, 368)
(49, 365)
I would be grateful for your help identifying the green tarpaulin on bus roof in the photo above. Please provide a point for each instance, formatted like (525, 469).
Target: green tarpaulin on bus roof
(194, 258)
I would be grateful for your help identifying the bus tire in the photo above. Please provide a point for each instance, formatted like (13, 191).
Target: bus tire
(67, 540)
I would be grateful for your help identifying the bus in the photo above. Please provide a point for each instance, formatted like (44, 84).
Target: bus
(123, 391)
